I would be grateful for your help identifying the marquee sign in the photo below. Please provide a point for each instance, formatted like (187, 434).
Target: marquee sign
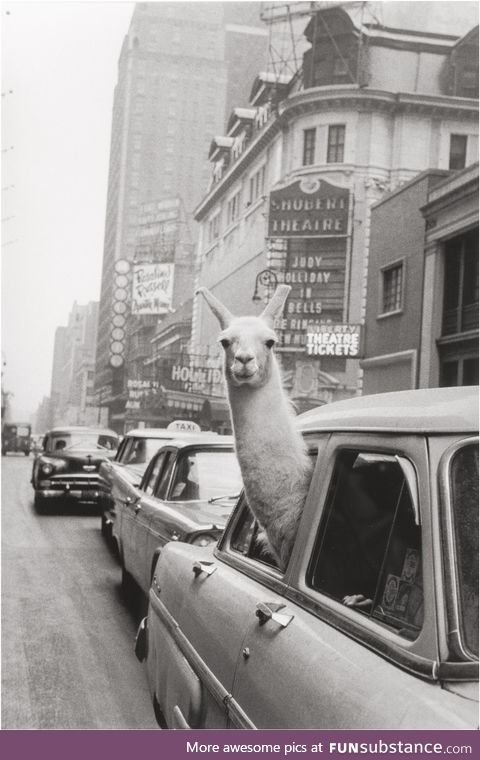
(308, 208)
(335, 340)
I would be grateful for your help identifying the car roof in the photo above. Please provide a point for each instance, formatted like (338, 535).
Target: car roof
(164, 433)
(429, 410)
(202, 439)
(81, 429)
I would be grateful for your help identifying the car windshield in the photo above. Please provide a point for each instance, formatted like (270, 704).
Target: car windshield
(79, 440)
(207, 475)
(464, 490)
(139, 452)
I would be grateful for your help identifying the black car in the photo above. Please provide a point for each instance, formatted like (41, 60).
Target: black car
(67, 468)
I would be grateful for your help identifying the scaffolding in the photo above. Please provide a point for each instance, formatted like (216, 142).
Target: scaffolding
(286, 27)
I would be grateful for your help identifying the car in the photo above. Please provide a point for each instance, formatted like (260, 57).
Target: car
(374, 623)
(186, 494)
(16, 437)
(66, 470)
(125, 471)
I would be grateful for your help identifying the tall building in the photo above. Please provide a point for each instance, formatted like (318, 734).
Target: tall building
(178, 63)
(71, 393)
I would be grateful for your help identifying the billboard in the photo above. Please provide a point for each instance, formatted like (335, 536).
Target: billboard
(152, 288)
(335, 340)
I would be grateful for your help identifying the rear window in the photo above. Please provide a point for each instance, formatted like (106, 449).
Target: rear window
(80, 440)
(464, 496)
(139, 451)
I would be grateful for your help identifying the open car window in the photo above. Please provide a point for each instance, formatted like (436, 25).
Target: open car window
(368, 552)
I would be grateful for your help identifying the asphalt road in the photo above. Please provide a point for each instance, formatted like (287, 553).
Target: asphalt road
(67, 635)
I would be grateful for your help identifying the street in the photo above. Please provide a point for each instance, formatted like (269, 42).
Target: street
(67, 635)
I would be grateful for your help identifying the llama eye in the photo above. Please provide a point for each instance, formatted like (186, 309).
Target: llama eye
(270, 343)
(225, 343)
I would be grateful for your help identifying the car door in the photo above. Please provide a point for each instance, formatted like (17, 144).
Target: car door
(357, 645)
(201, 605)
(138, 513)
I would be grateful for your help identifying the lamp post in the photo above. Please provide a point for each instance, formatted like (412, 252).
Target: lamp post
(268, 280)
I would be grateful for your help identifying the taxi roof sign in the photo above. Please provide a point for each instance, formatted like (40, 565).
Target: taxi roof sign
(184, 426)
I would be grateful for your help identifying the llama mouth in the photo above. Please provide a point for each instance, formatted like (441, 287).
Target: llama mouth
(244, 374)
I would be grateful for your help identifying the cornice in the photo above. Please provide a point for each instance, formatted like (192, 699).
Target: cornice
(318, 99)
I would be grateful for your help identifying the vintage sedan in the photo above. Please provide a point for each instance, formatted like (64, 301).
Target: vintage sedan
(125, 471)
(186, 494)
(374, 623)
(67, 468)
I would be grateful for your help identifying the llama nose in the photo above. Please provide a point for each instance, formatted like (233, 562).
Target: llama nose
(243, 357)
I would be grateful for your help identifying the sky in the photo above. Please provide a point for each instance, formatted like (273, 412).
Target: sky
(59, 59)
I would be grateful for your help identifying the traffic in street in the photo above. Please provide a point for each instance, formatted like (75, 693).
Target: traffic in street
(67, 635)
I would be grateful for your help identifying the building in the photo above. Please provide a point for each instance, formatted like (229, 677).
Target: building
(176, 66)
(72, 397)
(296, 175)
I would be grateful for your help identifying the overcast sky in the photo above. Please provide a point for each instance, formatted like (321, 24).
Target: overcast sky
(60, 60)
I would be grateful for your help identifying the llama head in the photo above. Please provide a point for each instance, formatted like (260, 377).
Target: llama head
(248, 341)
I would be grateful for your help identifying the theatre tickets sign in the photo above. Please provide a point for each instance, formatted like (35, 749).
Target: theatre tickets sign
(308, 208)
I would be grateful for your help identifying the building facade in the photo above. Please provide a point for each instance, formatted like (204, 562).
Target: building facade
(175, 68)
(296, 175)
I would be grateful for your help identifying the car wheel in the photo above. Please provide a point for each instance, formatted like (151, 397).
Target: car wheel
(27, 453)
(104, 527)
(42, 506)
(4, 452)
(127, 585)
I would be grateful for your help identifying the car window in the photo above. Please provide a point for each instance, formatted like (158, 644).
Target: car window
(208, 475)
(368, 552)
(464, 496)
(248, 540)
(152, 475)
(81, 440)
(141, 451)
(161, 489)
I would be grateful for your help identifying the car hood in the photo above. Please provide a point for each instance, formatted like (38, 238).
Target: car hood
(78, 458)
(202, 512)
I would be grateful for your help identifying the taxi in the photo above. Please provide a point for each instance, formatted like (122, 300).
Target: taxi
(374, 623)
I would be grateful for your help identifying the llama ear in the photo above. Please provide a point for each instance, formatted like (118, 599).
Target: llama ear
(275, 307)
(221, 312)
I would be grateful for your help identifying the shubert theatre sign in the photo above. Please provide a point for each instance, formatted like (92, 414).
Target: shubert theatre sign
(308, 208)
(312, 215)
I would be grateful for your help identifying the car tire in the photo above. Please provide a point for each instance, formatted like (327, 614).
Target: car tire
(104, 527)
(27, 453)
(42, 506)
(127, 585)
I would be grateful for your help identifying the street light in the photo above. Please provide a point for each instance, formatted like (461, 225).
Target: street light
(266, 279)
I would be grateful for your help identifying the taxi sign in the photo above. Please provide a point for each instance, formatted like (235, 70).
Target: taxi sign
(184, 426)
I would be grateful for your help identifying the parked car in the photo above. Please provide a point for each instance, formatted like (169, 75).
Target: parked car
(186, 494)
(16, 438)
(125, 471)
(67, 468)
(374, 624)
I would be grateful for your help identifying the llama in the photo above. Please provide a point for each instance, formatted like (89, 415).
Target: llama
(274, 463)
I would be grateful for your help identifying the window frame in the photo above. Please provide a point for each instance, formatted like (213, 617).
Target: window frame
(233, 208)
(398, 263)
(336, 145)
(309, 146)
(420, 656)
(452, 155)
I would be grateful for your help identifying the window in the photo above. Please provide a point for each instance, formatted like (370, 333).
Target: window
(233, 208)
(464, 495)
(162, 485)
(467, 86)
(257, 185)
(336, 144)
(214, 228)
(368, 553)
(246, 540)
(152, 475)
(309, 146)
(460, 299)
(392, 289)
(212, 476)
(458, 151)
(340, 67)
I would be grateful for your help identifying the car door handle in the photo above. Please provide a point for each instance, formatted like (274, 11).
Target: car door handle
(269, 611)
(137, 508)
(203, 567)
(174, 536)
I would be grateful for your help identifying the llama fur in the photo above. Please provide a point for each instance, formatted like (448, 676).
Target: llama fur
(275, 466)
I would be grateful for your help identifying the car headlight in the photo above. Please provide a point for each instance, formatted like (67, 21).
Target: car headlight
(204, 539)
(47, 468)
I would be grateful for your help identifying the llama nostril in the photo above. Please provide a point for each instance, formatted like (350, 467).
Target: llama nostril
(243, 358)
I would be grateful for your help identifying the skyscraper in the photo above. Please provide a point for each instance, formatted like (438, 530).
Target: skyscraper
(176, 66)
